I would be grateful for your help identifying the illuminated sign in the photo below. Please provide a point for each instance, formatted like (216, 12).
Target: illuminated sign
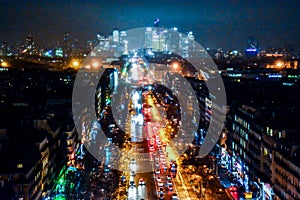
(275, 76)
(248, 195)
(251, 50)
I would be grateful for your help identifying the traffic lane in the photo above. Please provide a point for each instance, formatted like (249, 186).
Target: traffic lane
(213, 187)
(161, 177)
(149, 187)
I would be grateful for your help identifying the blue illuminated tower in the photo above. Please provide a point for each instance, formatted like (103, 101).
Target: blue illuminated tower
(156, 23)
(252, 47)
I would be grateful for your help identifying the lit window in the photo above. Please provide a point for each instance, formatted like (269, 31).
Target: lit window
(271, 132)
(19, 165)
(265, 152)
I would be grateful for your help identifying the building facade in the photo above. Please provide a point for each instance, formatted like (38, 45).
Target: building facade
(262, 155)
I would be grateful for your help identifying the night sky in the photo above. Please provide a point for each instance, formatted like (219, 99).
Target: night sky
(221, 23)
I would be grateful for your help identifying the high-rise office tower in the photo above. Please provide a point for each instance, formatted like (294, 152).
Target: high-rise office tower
(148, 37)
(116, 36)
(67, 44)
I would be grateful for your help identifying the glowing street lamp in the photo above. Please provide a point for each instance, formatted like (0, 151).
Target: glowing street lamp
(175, 65)
(4, 64)
(75, 63)
(279, 64)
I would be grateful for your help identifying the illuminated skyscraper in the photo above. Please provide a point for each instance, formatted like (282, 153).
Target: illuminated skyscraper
(148, 37)
(184, 45)
(90, 45)
(116, 36)
(29, 48)
(155, 41)
(67, 44)
(4, 51)
(124, 42)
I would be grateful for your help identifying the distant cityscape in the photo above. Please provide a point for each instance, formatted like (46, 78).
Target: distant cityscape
(43, 155)
(67, 46)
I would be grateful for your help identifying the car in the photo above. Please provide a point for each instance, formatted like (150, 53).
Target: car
(133, 161)
(169, 182)
(165, 167)
(123, 178)
(132, 173)
(151, 148)
(152, 141)
(157, 164)
(174, 196)
(232, 188)
(142, 181)
(161, 190)
(160, 184)
(170, 187)
(157, 171)
(158, 143)
(161, 197)
(132, 184)
(158, 179)
(169, 177)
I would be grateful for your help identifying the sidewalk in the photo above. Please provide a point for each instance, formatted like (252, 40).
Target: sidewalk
(224, 179)
(227, 182)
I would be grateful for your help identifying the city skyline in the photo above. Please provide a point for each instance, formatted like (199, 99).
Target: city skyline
(168, 100)
(225, 24)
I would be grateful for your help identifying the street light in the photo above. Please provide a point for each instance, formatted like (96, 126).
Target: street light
(4, 64)
(279, 64)
(175, 65)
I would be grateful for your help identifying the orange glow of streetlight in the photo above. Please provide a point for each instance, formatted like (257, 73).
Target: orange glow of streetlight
(4, 64)
(279, 64)
(87, 67)
(95, 64)
(75, 63)
(175, 65)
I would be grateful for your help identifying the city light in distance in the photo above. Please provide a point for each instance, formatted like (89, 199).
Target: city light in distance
(4, 64)
(279, 64)
(175, 65)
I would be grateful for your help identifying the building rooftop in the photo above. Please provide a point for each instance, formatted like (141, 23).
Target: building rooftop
(19, 151)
